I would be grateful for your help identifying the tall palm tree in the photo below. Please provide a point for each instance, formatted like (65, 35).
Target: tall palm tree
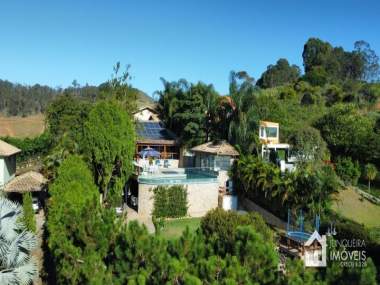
(370, 174)
(16, 243)
(242, 121)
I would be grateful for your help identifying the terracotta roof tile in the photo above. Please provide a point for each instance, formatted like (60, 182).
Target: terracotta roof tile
(28, 182)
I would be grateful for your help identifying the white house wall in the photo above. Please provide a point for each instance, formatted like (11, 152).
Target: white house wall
(2, 164)
(9, 168)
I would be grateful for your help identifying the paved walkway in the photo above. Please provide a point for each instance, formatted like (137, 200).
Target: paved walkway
(132, 215)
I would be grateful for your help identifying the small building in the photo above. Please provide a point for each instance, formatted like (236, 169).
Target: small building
(271, 148)
(269, 132)
(152, 133)
(15, 185)
(7, 162)
(218, 156)
(314, 251)
(30, 181)
(146, 114)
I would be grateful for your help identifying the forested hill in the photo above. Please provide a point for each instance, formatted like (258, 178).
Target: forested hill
(23, 100)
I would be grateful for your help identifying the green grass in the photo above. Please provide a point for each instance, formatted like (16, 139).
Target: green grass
(351, 205)
(375, 190)
(174, 228)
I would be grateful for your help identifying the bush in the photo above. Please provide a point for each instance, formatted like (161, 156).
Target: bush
(221, 226)
(28, 217)
(170, 201)
(348, 170)
(31, 147)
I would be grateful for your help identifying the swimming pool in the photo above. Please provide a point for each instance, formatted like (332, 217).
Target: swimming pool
(299, 236)
(179, 176)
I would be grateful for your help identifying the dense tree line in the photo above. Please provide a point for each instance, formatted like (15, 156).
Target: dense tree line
(23, 100)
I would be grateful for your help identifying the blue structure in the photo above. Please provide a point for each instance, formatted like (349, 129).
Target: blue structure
(298, 233)
(149, 152)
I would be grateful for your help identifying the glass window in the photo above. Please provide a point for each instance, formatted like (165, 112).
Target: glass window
(271, 132)
(262, 132)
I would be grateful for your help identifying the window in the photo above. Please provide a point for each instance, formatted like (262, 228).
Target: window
(262, 132)
(271, 132)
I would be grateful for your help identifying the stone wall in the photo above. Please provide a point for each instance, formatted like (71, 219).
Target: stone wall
(202, 197)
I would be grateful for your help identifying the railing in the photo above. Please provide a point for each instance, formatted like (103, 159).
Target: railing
(179, 176)
(368, 196)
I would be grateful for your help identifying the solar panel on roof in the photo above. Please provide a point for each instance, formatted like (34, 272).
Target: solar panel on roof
(153, 131)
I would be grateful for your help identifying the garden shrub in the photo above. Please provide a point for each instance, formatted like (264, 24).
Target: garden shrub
(31, 147)
(220, 226)
(170, 201)
(28, 217)
(348, 170)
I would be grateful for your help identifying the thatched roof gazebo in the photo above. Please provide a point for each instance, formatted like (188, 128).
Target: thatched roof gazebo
(217, 155)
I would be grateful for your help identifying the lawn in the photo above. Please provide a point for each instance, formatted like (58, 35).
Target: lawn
(174, 228)
(352, 206)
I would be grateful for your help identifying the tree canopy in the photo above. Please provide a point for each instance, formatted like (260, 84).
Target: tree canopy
(279, 74)
(109, 146)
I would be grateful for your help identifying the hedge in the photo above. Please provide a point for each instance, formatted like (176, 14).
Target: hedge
(170, 201)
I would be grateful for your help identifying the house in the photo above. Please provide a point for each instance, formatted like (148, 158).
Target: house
(7, 162)
(204, 174)
(269, 132)
(216, 155)
(15, 185)
(146, 114)
(202, 186)
(314, 251)
(271, 148)
(202, 182)
(152, 133)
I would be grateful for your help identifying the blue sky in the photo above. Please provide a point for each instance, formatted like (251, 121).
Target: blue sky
(54, 42)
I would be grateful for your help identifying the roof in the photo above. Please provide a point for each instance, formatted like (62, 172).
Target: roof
(7, 149)
(30, 181)
(145, 108)
(276, 145)
(218, 148)
(269, 124)
(313, 237)
(153, 132)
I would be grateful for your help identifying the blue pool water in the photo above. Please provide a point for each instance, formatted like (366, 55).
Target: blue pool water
(299, 236)
(179, 176)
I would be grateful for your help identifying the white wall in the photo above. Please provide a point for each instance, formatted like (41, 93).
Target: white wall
(9, 168)
(146, 115)
(201, 197)
(2, 171)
